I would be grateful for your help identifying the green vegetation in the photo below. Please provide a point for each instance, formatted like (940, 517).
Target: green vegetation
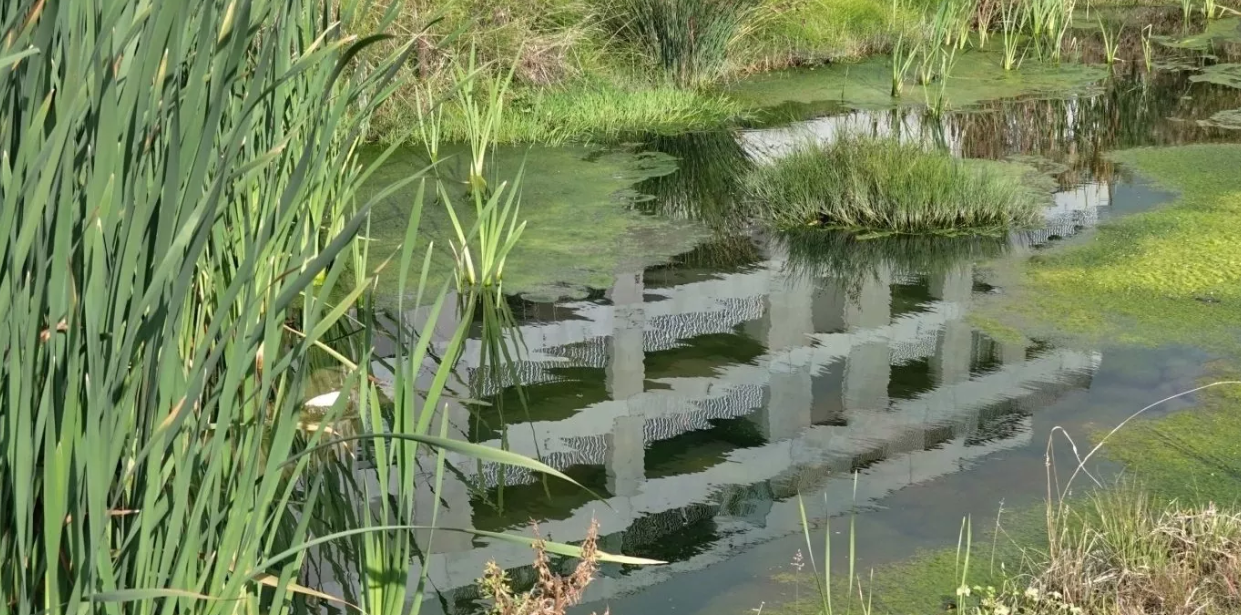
(181, 209)
(886, 186)
(690, 38)
(606, 69)
(868, 84)
(553, 259)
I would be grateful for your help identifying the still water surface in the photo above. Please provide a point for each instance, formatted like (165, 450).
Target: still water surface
(699, 397)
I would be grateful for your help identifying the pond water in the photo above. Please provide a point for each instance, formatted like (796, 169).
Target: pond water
(701, 375)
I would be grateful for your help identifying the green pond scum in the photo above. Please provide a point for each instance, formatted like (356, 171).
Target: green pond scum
(580, 229)
(1228, 74)
(1170, 275)
(867, 84)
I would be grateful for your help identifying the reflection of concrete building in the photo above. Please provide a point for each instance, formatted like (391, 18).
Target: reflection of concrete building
(885, 376)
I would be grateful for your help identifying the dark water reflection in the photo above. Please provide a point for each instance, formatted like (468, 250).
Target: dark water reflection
(699, 397)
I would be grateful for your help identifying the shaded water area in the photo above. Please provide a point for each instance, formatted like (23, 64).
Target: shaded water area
(698, 393)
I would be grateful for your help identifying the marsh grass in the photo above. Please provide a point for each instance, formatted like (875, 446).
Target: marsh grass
(689, 38)
(886, 186)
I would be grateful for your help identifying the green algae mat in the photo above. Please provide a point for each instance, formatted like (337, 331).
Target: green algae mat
(1170, 275)
(867, 84)
(580, 230)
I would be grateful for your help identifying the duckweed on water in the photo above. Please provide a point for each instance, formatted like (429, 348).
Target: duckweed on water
(887, 186)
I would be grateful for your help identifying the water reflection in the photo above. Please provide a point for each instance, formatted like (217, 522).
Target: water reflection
(1068, 137)
(699, 397)
(697, 409)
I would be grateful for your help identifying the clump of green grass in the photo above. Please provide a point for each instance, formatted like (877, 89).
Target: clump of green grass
(886, 186)
(689, 38)
(581, 110)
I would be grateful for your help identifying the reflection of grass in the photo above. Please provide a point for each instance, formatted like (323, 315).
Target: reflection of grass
(884, 185)
(705, 184)
(868, 84)
(843, 255)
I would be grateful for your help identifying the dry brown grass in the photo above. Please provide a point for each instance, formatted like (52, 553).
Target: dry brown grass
(552, 594)
(1124, 554)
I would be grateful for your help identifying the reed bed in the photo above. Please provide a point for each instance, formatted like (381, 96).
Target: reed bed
(180, 247)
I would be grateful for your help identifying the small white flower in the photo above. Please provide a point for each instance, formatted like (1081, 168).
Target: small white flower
(964, 590)
(1032, 593)
(1001, 610)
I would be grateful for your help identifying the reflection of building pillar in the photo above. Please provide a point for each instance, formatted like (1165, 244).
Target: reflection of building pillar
(790, 321)
(789, 400)
(869, 364)
(625, 456)
(955, 344)
(1012, 352)
(790, 303)
(625, 371)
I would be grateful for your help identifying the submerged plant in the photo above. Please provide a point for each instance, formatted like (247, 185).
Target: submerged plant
(1187, 7)
(1210, 9)
(886, 186)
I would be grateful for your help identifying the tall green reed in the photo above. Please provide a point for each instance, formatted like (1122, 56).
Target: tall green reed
(827, 588)
(690, 39)
(1148, 51)
(188, 168)
(1111, 41)
(1210, 9)
(903, 56)
(179, 183)
(479, 251)
(1049, 20)
(1012, 20)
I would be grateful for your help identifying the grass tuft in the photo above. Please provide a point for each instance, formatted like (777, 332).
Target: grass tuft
(885, 186)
